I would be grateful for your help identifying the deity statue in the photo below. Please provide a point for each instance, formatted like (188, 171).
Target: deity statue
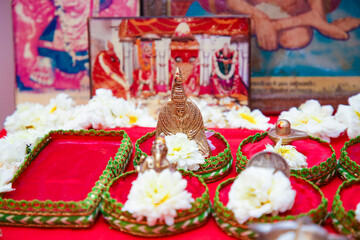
(181, 115)
(145, 75)
(185, 54)
(107, 73)
(225, 78)
(158, 160)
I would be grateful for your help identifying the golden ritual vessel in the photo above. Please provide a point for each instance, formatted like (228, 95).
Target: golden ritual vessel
(181, 115)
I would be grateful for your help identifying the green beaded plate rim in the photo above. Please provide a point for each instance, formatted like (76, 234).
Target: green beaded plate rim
(319, 174)
(214, 168)
(347, 168)
(47, 213)
(344, 221)
(185, 220)
(227, 222)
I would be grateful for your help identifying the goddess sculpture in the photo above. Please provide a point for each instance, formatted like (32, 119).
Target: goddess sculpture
(181, 115)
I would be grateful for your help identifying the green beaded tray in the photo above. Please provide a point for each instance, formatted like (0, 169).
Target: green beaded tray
(344, 221)
(67, 213)
(347, 168)
(185, 220)
(226, 220)
(214, 168)
(319, 174)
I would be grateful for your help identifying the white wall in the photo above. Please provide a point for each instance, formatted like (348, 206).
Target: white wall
(7, 69)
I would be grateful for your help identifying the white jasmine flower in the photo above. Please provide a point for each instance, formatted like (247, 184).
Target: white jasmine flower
(184, 152)
(314, 119)
(157, 196)
(106, 111)
(295, 159)
(75, 119)
(213, 116)
(259, 191)
(62, 102)
(243, 117)
(6, 174)
(26, 116)
(350, 116)
(64, 114)
(357, 212)
(13, 149)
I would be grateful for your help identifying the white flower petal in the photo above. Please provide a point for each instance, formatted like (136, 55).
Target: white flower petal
(258, 191)
(184, 152)
(157, 196)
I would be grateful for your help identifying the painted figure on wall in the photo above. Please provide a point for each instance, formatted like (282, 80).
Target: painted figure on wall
(225, 78)
(107, 73)
(185, 55)
(287, 23)
(51, 40)
(145, 76)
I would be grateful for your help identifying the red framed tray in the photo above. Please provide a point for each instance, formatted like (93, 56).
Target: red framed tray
(115, 195)
(343, 209)
(61, 180)
(309, 201)
(321, 157)
(216, 166)
(349, 161)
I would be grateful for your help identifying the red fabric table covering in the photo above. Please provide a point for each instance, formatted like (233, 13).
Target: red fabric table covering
(101, 230)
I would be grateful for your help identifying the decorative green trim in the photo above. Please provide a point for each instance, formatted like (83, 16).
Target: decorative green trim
(344, 221)
(214, 168)
(319, 174)
(185, 220)
(347, 168)
(64, 213)
(226, 220)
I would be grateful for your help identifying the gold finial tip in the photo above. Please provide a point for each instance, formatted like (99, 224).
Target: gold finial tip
(177, 72)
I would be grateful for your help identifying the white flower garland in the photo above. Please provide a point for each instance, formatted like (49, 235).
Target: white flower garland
(243, 117)
(314, 119)
(157, 196)
(350, 116)
(258, 191)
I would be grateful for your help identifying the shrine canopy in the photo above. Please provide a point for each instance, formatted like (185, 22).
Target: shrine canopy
(138, 27)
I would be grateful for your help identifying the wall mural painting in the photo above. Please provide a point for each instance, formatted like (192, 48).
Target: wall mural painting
(300, 49)
(51, 44)
(212, 54)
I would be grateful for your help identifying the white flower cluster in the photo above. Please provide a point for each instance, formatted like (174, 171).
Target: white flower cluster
(258, 191)
(295, 159)
(184, 152)
(243, 117)
(106, 111)
(314, 119)
(157, 196)
(350, 116)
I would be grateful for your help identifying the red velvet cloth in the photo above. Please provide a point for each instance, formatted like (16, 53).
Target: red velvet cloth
(307, 197)
(354, 152)
(121, 188)
(66, 169)
(101, 230)
(314, 151)
(350, 197)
